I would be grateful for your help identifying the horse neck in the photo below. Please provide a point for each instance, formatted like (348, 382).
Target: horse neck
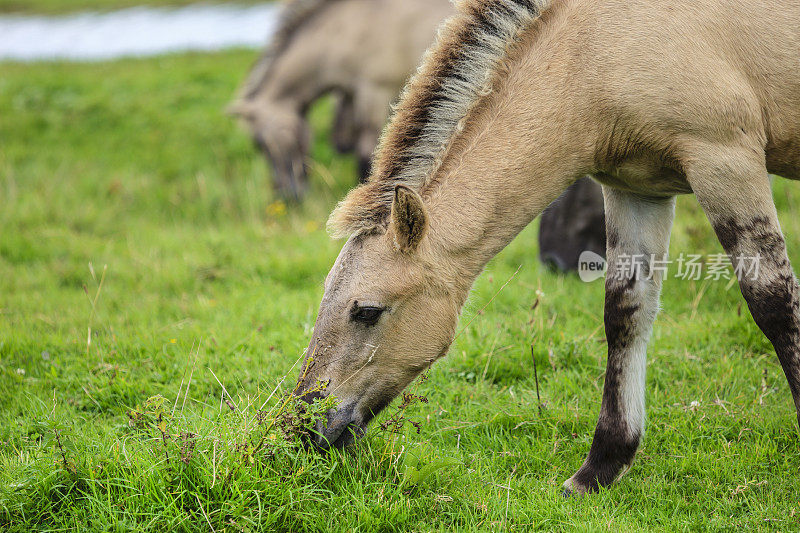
(518, 154)
(298, 75)
(293, 85)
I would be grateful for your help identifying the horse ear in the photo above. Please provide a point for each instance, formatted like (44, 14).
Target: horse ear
(240, 108)
(409, 219)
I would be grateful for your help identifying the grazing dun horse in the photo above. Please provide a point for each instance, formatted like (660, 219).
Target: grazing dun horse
(516, 101)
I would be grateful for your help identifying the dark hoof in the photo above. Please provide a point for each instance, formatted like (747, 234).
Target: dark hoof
(573, 489)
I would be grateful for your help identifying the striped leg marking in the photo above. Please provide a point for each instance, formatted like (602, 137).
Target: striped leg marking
(735, 193)
(638, 232)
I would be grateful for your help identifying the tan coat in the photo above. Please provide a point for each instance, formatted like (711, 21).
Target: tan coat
(517, 100)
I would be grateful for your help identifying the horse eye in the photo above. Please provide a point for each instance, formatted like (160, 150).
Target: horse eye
(366, 315)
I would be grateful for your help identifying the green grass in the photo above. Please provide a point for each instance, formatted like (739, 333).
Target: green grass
(133, 166)
(52, 7)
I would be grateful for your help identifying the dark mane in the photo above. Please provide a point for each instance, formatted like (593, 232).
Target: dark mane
(456, 73)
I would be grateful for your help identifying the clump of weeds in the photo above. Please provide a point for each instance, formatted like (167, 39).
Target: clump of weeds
(271, 437)
(413, 464)
(254, 450)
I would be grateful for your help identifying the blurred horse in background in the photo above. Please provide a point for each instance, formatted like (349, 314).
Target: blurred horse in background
(573, 224)
(362, 52)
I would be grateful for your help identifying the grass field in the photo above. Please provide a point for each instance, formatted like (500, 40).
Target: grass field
(141, 255)
(68, 6)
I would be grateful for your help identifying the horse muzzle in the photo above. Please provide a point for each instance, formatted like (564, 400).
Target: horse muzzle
(341, 428)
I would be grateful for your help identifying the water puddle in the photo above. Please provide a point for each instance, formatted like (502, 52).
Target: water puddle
(136, 31)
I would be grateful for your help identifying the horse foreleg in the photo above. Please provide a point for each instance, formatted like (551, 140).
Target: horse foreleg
(365, 146)
(372, 105)
(345, 125)
(637, 233)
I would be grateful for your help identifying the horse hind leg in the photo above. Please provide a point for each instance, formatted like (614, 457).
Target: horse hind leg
(734, 191)
(637, 233)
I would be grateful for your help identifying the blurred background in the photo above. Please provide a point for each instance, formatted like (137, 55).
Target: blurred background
(133, 162)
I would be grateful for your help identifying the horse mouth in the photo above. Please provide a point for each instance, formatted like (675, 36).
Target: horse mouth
(338, 436)
(342, 429)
